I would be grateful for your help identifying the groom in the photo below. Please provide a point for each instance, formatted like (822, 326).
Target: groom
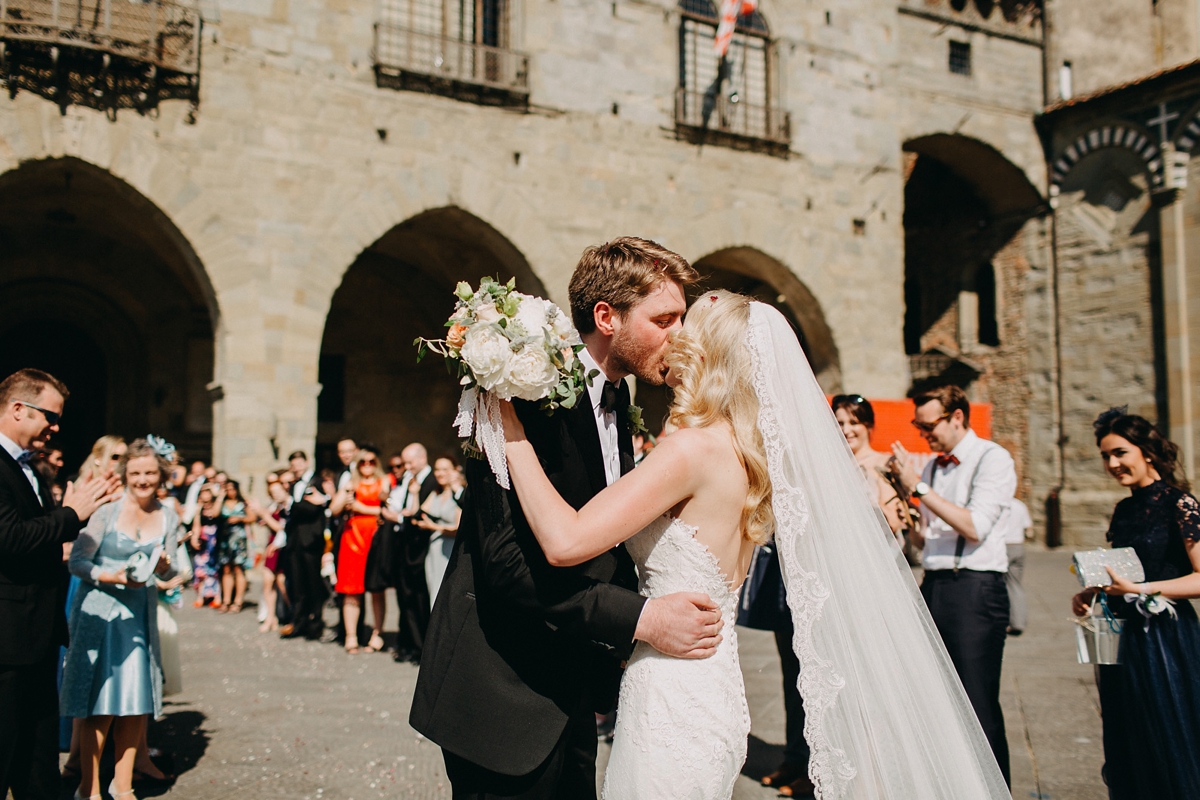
(520, 654)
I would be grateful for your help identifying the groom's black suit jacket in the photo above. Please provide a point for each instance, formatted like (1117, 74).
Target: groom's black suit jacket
(516, 646)
(32, 576)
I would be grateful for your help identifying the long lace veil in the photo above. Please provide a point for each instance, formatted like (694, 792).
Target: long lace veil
(887, 716)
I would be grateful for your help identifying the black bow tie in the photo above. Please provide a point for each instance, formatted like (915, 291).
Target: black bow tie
(609, 396)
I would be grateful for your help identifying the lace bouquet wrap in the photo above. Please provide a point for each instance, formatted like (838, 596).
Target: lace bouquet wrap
(503, 344)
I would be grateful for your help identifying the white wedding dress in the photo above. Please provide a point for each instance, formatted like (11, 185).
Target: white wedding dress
(682, 724)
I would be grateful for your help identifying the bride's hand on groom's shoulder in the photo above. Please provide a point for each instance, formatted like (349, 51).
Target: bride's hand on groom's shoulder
(514, 431)
(684, 625)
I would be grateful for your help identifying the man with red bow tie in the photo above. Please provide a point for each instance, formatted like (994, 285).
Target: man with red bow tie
(965, 492)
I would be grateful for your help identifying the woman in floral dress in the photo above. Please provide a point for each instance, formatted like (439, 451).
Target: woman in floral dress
(206, 533)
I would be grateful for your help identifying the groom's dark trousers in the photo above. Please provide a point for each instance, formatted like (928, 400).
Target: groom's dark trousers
(519, 654)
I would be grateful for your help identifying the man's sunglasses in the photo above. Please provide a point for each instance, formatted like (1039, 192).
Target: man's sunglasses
(927, 427)
(396, 466)
(51, 416)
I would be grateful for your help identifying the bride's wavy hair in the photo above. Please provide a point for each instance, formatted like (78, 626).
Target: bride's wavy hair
(710, 359)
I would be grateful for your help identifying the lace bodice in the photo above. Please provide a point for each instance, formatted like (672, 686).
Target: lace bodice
(682, 724)
(1156, 521)
(670, 559)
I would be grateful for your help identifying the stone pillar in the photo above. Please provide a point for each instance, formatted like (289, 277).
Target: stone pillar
(1178, 301)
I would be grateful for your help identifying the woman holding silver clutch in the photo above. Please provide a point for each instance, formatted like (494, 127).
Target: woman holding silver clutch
(1150, 701)
(113, 672)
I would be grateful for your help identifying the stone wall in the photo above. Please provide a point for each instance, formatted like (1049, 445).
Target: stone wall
(296, 163)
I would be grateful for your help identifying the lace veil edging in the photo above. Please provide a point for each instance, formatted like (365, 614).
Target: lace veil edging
(887, 716)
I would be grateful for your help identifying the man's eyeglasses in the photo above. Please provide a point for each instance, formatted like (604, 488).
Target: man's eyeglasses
(51, 416)
(927, 427)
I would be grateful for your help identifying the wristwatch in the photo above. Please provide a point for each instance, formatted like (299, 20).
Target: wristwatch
(921, 489)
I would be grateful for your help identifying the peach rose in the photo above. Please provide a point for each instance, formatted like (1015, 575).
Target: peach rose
(456, 336)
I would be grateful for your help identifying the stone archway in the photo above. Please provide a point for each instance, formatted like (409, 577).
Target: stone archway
(112, 299)
(752, 272)
(399, 288)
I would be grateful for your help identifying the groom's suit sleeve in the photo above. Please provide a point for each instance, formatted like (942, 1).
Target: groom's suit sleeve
(514, 570)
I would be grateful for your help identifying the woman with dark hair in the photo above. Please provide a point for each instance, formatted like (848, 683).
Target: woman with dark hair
(362, 496)
(856, 418)
(233, 550)
(1150, 701)
(440, 514)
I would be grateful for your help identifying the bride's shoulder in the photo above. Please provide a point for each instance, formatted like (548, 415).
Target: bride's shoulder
(696, 444)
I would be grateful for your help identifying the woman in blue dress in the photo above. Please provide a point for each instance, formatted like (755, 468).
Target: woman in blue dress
(1150, 701)
(113, 673)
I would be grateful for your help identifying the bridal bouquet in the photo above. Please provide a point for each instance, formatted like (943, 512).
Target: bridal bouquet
(503, 344)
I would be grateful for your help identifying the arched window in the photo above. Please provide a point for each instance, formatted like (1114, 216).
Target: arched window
(735, 95)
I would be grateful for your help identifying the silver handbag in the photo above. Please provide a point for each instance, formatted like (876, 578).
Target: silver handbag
(1089, 566)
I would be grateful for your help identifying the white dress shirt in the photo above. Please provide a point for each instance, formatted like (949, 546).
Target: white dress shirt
(15, 450)
(398, 501)
(1016, 522)
(983, 481)
(301, 485)
(606, 424)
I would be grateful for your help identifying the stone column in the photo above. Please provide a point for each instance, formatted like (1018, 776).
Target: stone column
(1177, 302)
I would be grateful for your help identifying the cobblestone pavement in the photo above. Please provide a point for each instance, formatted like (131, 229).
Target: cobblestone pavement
(265, 718)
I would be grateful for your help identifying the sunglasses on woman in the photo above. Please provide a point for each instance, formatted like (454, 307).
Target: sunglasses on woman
(370, 461)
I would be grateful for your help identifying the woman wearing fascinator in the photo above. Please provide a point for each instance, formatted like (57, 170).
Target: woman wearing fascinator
(1150, 701)
(113, 673)
(758, 452)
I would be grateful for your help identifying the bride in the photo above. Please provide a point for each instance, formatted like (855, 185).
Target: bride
(758, 453)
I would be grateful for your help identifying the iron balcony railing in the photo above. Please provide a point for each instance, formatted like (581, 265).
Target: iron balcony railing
(402, 50)
(732, 116)
(160, 33)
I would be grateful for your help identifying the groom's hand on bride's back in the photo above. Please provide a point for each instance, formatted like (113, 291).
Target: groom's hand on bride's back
(684, 625)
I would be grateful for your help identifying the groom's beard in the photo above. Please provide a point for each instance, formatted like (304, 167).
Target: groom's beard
(639, 359)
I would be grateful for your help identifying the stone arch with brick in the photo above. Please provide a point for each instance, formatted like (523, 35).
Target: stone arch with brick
(109, 295)
(1115, 134)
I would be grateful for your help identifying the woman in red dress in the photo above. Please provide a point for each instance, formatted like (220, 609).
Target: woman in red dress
(363, 496)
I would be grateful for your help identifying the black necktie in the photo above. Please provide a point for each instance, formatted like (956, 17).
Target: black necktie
(608, 397)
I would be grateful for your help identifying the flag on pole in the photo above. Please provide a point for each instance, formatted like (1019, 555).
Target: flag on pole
(730, 11)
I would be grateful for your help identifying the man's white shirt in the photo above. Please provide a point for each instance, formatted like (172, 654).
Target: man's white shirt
(301, 485)
(1016, 522)
(398, 501)
(983, 481)
(15, 450)
(606, 424)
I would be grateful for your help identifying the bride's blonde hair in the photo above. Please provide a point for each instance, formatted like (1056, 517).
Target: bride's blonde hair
(710, 360)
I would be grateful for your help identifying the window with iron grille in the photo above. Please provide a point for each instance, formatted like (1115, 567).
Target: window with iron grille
(446, 46)
(960, 58)
(734, 94)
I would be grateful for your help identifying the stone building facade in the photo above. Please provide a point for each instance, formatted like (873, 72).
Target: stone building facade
(235, 244)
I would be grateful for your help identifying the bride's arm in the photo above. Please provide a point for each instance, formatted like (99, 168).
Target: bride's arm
(570, 537)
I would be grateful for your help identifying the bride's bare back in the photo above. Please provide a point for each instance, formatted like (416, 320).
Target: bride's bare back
(715, 507)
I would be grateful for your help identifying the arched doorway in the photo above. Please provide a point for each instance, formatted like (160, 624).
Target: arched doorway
(99, 288)
(967, 238)
(751, 272)
(399, 288)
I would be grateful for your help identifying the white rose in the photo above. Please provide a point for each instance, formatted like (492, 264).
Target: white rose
(487, 312)
(487, 353)
(531, 315)
(531, 375)
(563, 328)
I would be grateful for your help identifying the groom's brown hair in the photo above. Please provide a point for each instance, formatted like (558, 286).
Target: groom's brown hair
(621, 273)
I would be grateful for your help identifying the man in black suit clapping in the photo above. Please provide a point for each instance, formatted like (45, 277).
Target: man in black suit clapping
(33, 581)
(306, 544)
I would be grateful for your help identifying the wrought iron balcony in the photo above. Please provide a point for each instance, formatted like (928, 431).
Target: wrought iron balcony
(409, 59)
(722, 119)
(105, 54)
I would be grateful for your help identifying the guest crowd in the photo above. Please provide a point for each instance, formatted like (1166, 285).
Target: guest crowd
(135, 528)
